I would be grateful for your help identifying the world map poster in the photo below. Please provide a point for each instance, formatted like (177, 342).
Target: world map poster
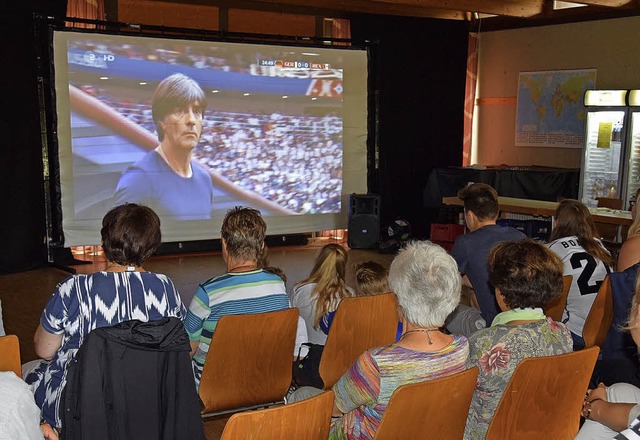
(550, 108)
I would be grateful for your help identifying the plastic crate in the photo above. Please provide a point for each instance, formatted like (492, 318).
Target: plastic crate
(535, 229)
(445, 232)
(447, 245)
(539, 229)
(520, 225)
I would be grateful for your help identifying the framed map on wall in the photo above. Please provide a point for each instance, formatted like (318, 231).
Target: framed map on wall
(550, 108)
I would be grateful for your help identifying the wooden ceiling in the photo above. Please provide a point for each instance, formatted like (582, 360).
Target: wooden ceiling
(495, 14)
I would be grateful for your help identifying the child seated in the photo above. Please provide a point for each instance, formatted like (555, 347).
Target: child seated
(371, 279)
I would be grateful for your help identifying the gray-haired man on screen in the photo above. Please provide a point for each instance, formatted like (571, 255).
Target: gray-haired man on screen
(167, 179)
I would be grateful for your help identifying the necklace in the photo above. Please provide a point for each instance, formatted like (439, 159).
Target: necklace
(115, 265)
(422, 330)
(244, 266)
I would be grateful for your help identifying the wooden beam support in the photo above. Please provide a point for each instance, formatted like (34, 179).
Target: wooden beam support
(422, 8)
(626, 4)
(334, 8)
(532, 10)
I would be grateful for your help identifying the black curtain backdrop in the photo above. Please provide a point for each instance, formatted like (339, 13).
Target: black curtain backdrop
(22, 223)
(419, 72)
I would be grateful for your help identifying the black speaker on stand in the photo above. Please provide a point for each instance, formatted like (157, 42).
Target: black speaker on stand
(364, 221)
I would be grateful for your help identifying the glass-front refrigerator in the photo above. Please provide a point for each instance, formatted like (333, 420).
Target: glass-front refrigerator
(632, 171)
(603, 165)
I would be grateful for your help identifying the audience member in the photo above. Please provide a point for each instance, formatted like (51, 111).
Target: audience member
(574, 240)
(322, 291)
(526, 276)
(426, 280)
(246, 287)
(630, 250)
(471, 250)
(609, 410)
(19, 414)
(371, 279)
(122, 292)
(167, 178)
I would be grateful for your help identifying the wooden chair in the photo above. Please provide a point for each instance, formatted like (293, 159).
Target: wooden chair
(435, 409)
(308, 419)
(10, 354)
(544, 397)
(600, 317)
(249, 361)
(360, 323)
(555, 309)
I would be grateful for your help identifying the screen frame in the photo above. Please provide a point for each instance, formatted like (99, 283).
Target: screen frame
(54, 210)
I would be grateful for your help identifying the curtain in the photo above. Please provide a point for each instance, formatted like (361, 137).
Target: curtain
(88, 9)
(470, 97)
(341, 28)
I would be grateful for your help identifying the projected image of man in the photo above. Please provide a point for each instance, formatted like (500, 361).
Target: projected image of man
(167, 179)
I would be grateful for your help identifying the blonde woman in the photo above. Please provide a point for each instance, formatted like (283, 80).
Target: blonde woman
(322, 291)
(630, 250)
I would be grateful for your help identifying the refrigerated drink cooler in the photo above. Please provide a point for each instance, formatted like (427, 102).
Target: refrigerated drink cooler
(604, 154)
(632, 169)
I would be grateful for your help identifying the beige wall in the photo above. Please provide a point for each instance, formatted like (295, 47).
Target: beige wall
(610, 46)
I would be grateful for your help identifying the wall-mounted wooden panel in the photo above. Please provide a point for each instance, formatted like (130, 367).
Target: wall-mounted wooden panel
(272, 23)
(168, 14)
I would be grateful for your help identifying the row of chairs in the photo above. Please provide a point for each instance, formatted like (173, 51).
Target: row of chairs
(256, 351)
(542, 400)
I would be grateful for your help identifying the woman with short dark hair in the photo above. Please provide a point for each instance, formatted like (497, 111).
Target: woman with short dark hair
(122, 292)
(526, 277)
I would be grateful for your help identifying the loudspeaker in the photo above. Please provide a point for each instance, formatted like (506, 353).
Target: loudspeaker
(364, 221)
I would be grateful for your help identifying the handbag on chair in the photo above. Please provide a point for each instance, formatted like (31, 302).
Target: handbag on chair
(305, 370)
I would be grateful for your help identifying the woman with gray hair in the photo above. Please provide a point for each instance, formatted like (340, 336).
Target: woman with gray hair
(426, 280)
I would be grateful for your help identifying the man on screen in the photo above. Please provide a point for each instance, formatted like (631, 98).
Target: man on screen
(167, 179)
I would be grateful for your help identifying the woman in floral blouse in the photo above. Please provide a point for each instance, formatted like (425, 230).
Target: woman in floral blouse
(526, 276)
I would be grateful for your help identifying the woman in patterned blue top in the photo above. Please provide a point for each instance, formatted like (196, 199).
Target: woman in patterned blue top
(82, 303)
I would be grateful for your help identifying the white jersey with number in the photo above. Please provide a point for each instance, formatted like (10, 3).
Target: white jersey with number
(588, 273)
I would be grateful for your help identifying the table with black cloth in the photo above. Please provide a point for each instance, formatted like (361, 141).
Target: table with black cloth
(534, 183)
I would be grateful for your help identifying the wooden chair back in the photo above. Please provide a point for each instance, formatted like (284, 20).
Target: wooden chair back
(10, 354)
(360, 323)
(555, 309)
(249, 361)
(544, 397)
(600, 317)
(436, 409)
(308, 419)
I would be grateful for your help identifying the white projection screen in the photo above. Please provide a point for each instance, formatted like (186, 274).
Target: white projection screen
(284, 131)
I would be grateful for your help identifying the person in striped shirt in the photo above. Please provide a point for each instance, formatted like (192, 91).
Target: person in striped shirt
(245, 288)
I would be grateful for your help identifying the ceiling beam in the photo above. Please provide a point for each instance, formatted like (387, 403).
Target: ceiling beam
(335, 8)
(511, 8)
(610, 3)
(424, 8)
